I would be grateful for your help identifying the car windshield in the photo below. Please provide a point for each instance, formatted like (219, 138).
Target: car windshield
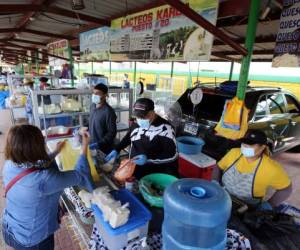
(211, 107)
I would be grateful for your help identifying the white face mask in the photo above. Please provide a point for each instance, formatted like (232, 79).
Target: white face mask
(96, 99)
(247, 151)
(143, 123)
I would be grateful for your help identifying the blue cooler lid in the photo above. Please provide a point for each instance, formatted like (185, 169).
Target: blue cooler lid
(139, 214)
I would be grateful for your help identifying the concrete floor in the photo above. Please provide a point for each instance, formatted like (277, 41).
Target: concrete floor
(64, 239)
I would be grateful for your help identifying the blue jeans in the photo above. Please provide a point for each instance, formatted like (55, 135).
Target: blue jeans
(10, 240)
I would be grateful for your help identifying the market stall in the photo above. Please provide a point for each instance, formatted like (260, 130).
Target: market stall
(130, 236)
(171, 32)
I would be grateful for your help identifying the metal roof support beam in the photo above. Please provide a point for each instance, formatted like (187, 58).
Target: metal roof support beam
(33, 49)
(42, 33)
(262, 39)
(193, 15)
(250, 40)
(41, 6)
(231, 70)
(28, 41)
(226, 58)
(21, 54)
(234, 8)
(41, 3)
(8, 30)
(234, 53)
(18, 8)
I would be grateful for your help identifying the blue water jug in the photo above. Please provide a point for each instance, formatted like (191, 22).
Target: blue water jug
(196, 213)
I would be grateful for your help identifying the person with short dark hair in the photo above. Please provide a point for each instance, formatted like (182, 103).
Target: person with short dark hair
(247, 172)
(29, 83)
(152, 140)
(33, 186)
(103, 120)
(44, 83)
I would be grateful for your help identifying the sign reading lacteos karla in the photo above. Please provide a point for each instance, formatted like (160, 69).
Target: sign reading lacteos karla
(163, 33)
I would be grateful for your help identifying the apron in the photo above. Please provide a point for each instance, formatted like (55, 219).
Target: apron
(241, 185)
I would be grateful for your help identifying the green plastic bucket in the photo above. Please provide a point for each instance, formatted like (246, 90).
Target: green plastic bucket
(158, 180)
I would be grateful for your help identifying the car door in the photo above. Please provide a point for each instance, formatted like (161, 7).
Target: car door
(261, 117)
(293, 115)
(269, 116)
(278, 121)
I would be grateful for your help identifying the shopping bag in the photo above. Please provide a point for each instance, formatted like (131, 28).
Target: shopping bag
(125, 170)
(69, 156)
(234, 134)
(232, 114)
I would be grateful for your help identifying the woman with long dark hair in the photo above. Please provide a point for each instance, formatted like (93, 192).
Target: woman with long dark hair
(33, 185)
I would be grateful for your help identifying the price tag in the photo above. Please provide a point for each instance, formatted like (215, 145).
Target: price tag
(191, 128)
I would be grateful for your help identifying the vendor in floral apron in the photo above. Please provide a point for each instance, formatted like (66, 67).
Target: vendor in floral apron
(247, 173)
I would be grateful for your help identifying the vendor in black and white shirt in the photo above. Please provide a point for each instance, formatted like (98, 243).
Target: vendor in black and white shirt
(152, 140)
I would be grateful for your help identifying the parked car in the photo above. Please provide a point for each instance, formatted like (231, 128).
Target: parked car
(273, 110)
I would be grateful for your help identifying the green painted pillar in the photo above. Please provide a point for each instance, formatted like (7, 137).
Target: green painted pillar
(51, 79)
(231, 70)
(134, 80)
(172, 69)
(71, 65)
(37, 62)
(250, 39)
(110, 69)
(22, 69)
(29, 66)
(190, 80)
(78, 70)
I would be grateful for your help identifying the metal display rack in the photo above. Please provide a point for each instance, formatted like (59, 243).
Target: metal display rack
(120, 99)
(17, 112)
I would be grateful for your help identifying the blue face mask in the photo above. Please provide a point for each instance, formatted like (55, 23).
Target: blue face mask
(247, 151)
(96, 99)
(143, 123)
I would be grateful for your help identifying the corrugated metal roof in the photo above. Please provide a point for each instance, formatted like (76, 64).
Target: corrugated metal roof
(105, 9)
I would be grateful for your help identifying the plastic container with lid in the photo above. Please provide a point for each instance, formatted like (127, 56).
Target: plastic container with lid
(135, 229)
(196, 215)
(196, 166)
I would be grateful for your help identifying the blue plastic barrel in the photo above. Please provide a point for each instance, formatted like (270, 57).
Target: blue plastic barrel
(196, 213)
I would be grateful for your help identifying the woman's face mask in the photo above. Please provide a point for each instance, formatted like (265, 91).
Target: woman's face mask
(96, 99)
(252, 150)
(143, 123)
(247, 151)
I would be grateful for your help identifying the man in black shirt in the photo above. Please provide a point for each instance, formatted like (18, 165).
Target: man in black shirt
(152, 140)
(103, 120)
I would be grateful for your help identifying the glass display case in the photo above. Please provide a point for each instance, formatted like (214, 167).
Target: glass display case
(71, 107)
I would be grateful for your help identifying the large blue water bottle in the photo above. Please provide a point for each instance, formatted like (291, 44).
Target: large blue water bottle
(196, 213)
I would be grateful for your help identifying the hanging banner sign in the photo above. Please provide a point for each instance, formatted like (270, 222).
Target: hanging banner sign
(94, 45)
(59, 48)
(163, 33)
(287, 49)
